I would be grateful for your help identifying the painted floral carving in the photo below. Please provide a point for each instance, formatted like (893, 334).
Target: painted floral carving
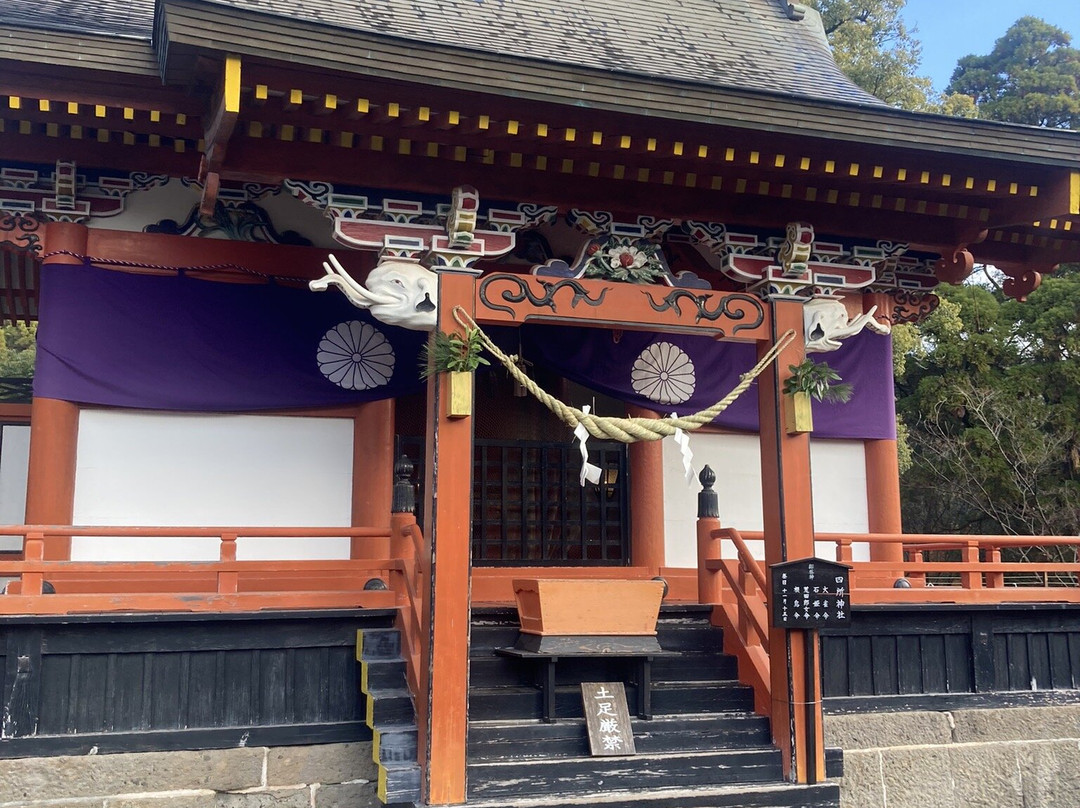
(623, 259)
(663, 373)
(355, 356)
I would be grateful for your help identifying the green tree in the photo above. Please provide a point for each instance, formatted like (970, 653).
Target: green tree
(1031, 76)
(18, 347)
(991, 396)
(874, 47)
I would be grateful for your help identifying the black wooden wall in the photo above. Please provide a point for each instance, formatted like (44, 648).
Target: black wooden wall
(152, 682)
(941, 656)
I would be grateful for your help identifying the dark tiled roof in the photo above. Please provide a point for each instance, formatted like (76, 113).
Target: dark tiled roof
(749, 44)
(127, 18)
(744, 44)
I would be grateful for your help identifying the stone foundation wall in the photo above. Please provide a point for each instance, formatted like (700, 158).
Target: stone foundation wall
(325, 776)
(987, 758)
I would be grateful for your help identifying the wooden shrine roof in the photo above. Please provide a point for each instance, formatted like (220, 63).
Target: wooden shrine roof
(747, 44)
(715, 110)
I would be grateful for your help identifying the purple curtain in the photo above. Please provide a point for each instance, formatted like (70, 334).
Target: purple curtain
(678, 373)
(178, 343)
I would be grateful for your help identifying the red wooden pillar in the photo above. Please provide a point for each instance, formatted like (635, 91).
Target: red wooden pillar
(883, 470)
(646, 498)
(789, 535)
(883, 497)
(54, 428)
(373, 475)
(443, 707)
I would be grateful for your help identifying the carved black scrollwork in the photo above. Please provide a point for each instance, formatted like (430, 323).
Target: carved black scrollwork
(735, 306)
(913, 307)
(523, 292)
(27, 228)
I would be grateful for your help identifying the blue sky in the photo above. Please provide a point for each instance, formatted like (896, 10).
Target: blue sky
(951, 29)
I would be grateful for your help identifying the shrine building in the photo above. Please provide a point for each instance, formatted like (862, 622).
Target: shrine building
(417, 385)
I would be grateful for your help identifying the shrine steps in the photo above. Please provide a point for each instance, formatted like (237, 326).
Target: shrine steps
(703, 748)
(824, 795)
(390, 715)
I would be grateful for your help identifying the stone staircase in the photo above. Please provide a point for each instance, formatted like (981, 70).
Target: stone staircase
(390, 714)
(704, 747)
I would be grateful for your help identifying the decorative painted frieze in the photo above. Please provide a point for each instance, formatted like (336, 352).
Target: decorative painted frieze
(370, 205)
(66, 195)
(629, 252)
(21, 231)
(237, 216)
(912, 307)
(453, 244)
(795, 265)
(504, 298)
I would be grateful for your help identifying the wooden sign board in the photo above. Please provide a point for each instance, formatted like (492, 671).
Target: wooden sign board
(607, 719)
(811, 593)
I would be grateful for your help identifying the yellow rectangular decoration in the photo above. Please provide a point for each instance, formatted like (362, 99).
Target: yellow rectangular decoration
(1074, 193)
(232, 84)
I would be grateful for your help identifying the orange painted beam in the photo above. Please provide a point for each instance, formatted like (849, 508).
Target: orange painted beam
(789, 535)
(280, 260)
(444, 698)
(504, 299)
(646, 498)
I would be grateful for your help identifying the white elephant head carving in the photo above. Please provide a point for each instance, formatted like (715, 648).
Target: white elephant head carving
(397, 293)
(826, 323)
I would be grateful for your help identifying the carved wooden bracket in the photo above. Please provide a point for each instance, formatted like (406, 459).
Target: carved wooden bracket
(955, 268)
(1020, 283)
(222, 121)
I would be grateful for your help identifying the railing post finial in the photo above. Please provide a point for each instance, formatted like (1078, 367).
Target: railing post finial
(404, 500)
(708, 505)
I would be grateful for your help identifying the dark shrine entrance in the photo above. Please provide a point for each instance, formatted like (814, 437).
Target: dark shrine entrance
(528, 506)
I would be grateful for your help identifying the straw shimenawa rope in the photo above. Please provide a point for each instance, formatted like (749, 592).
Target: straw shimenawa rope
(625, 430)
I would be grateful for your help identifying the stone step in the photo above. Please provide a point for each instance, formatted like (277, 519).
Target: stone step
(668, 698)
(492, 741)
(641, 773)
(390, 707)
(382, 674)
(780, 795)
(399, 783)
(392, 744)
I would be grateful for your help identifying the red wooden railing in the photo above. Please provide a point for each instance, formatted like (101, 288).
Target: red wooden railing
(737, 586)
(222, 585)
(407, 546)
(741, 608)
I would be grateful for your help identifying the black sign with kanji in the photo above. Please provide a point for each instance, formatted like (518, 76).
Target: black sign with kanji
(810, 593)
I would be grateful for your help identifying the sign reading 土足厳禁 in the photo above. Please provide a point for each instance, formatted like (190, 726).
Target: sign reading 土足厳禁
(606, 719)
(810, 593)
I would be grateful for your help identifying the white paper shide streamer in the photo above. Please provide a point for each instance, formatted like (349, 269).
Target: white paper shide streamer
(682, 440)
(588, 470)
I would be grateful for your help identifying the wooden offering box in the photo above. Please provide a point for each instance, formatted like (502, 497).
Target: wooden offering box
(588, 607)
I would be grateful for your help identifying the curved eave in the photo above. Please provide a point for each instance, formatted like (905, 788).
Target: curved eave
(187, 29)
(67, 49)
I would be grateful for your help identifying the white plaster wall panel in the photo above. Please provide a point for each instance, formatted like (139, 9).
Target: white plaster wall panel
(736, 460)
(150, 468)
(14, 462)
(839, 493)
(838, 471)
